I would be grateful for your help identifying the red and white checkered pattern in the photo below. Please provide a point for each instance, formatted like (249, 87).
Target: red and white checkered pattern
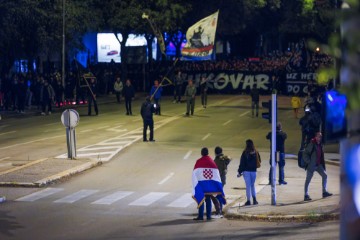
(207, 173)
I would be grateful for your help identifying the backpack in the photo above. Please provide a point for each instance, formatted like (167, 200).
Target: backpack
(301, 162)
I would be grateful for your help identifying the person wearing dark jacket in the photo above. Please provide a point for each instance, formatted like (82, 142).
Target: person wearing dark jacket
(92, 91)
(129, 93)
(147, 110)
(22, 89)
(280, 147)
(47, 95)
(247, 168)
(255, 97)
(314, 160)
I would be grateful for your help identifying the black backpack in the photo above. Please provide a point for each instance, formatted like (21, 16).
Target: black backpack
(301, 162)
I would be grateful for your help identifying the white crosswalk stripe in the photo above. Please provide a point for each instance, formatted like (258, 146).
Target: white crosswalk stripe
(76, 196)
(110, 199)
(182, 202)
(38, 195)
(149, 199)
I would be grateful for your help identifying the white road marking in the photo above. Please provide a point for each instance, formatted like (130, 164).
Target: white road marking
(243, 114)
(148, 199)
(227, 122)
(112, 198)
(103, 127)
(49, 124)
(187, 155)
(76, 196)
(38, 195)
(97, 148)
(87, 130)
(7, 133)
(4, 126)
(38, 140)
(183, 201)
(206, 136)
(1, 159)
(166, 178)
(93, 154)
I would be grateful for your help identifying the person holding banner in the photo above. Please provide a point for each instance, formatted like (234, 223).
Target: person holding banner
(155, 93)
(190, 94)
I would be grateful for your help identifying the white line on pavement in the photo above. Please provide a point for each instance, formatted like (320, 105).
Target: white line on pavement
(4, 158)
(87, 130)
(166, 178)
(38, 195)
(49, 124)
(243, 114)
(187, 155)
(112, 198)
(103, 127)
(183, 201)
(76, 196)
(227, 122)
(38, 140)
(206, 136)
(7, 133)
(149, 199)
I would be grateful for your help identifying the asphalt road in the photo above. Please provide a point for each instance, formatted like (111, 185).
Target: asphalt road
(145, 190)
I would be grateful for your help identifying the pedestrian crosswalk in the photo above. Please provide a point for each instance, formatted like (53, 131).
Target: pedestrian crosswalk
(131, 198)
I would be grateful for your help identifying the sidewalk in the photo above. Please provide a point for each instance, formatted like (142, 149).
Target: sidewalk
(290, 204)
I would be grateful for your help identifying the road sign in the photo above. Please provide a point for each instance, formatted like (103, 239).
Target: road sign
(70, 118)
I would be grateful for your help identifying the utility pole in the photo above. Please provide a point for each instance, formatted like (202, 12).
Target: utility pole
(63, 45)
(350, 146)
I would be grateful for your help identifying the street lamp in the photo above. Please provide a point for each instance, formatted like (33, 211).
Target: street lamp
(63, 44)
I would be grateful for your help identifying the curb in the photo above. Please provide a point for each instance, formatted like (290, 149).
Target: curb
(57, 177)
(285, 218)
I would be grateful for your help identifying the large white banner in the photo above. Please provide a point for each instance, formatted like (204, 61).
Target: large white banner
(201, 39)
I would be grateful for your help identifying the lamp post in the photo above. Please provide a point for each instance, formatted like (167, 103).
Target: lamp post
(63, 45)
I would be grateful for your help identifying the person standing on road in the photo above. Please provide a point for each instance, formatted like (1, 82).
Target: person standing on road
(92, 91)
(280, 147)
(296, 104)
(155, 93)
(247, 168)
(255, 97)
(129, 94)
(314, 160)
(206, 182)
(47, 95)
(190, 94)
(178, 87)
(147, 110)
(222, 161)
(118, 88)
(203, 91)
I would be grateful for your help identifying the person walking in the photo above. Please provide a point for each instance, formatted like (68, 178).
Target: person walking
(190, 93)
(248, 165)
(203, 91)
(47, 95)
(147, 110)
(178, 87)
(206, 182)
(314, 160)
(92, 91)
(296, 104)
(129, 94)
(221, 161)
(155, 93)
(255, 97)
(280, 147)
(118, 88)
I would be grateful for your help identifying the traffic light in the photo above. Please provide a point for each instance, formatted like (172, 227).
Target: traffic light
(267, 115)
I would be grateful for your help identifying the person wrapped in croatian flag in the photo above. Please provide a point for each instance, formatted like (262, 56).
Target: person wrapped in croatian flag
(206, 181)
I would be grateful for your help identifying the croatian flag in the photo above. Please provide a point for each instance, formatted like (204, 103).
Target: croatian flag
(206, 180)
